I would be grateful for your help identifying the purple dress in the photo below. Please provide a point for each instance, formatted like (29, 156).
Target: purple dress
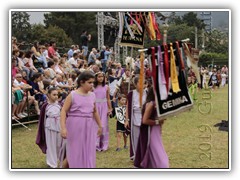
(102, 141)
(150, 151)
(81, 132)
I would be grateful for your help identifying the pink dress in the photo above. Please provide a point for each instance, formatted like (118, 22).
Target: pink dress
(102, 141)
(81, 132)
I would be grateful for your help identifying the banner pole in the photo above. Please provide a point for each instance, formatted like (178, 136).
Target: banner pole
(130, 70)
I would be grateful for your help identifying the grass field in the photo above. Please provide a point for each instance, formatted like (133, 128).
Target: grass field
(190, 139)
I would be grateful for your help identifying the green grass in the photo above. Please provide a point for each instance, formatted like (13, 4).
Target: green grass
(183, 140)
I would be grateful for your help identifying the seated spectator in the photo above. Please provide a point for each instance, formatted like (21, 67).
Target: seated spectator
(28, 62)
(41, 58)
(21, 65)
(57, 68)
(35, 49)
(35, 91)
(14, 68)
(51, 69)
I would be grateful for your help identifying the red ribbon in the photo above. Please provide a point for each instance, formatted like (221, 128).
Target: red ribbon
(166, 65)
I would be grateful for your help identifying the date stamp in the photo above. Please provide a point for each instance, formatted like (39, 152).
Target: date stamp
(205, 130)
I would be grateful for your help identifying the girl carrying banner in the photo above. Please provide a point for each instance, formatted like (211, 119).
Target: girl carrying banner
(150, 151)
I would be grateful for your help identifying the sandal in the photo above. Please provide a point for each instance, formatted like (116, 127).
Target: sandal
(15, 117)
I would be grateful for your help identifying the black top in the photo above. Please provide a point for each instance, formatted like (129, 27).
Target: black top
(84, 40)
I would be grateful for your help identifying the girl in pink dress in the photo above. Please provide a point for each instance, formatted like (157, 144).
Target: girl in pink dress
(150, 150)
(104, 108)
(78, 121)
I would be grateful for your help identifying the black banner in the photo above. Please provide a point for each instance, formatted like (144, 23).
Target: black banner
(127, 39)
(175, 102)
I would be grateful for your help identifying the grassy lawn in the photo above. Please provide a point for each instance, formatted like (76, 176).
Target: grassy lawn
(190, 139)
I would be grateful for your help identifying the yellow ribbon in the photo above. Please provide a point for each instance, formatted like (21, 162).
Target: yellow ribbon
(173, 71)
(151, 27)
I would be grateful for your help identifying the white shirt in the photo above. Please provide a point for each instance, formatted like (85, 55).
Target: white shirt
(72, 61)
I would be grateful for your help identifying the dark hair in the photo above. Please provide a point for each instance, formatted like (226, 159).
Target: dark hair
(21, 53)
(84, 76)
(96, 82)
(51, 43)
(135, 80)
(120, 96)
(150, 95)
(15, 51)
(50, 63)
(75, 54)
(50, 90)
(35, 76)
(110, 71)
(28, 54)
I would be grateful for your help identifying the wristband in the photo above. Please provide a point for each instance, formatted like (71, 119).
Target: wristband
(156, 122)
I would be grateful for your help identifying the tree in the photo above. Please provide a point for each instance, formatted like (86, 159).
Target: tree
(189, 18)
(73, 23)
(217, 42)
(21, 26)
(58, 35)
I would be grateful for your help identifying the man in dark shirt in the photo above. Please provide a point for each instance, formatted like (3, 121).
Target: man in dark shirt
(84, 43)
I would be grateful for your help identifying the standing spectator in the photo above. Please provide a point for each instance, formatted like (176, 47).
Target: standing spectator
(224, 77)
(92, 56)
(224, 69)
(78, 116)
(84, 42)
(104, 57)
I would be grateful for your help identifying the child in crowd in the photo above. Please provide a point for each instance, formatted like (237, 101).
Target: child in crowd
(104, 108)
(224, 79)
(121, 113)
(49, 138)
(150, 151)
(134, 116)
(78, 117)
(192, 87)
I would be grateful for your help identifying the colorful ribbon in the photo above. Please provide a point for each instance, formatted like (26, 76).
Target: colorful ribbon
(161, 77)
(174, 75)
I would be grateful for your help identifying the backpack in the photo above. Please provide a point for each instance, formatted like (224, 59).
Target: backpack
(102, 54)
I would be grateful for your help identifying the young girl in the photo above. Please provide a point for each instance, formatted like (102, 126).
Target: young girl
(120, 122)
(150, 151)
(134, 116)
(49, 138)
(104, 108)
(78, 118)
(192, 87)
